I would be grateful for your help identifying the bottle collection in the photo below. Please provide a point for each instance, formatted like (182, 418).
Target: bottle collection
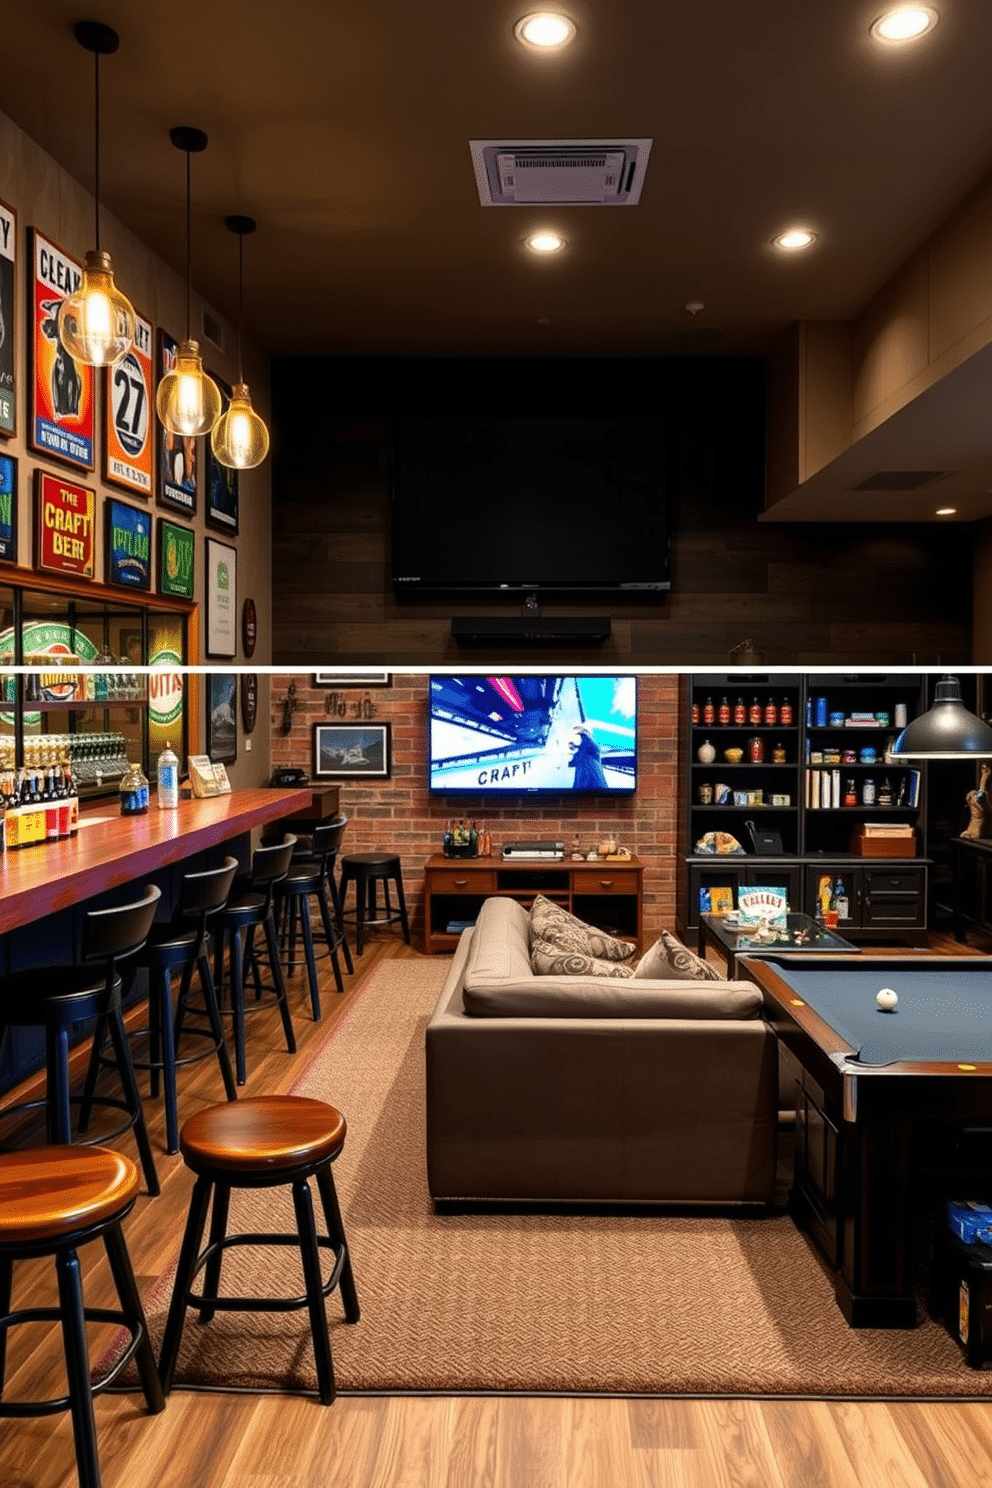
(757, 714)
(40, 804)
(463, 839)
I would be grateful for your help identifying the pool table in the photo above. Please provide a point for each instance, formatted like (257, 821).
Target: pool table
(874, 1090)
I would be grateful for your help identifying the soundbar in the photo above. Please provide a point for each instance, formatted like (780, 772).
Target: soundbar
(572, 630)
(541, 849)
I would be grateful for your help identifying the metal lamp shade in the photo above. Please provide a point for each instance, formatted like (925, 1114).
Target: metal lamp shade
(946, 731)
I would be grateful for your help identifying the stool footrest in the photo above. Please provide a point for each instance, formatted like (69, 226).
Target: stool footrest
(23, 1408)
(264, 1304)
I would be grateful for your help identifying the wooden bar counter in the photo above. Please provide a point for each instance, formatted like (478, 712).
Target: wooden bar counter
(110, 849)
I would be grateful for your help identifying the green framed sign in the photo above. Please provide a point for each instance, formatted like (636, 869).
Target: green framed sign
(176, 551)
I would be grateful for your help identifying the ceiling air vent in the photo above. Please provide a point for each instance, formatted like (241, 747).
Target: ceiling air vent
(592, 173)
(900, 480)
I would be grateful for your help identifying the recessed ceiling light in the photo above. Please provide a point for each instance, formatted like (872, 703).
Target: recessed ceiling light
(904, 23)
(794, 239)
(545, 242)
(545, 30)
(946, 511)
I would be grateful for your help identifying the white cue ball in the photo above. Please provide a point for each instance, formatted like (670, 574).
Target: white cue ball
(886, 1000)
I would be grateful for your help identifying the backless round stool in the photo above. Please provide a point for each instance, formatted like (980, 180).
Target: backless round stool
(183, 946)
(262, 1141)
(52, 1201)
(367, 870)
(59, 998)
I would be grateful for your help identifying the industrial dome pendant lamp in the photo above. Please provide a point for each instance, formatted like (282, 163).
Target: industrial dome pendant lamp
(96, 323)
(240, 439)
(946, 731)
(188, 401)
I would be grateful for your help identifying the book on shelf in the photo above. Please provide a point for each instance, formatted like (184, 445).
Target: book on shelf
(721, 899)
(762, 902)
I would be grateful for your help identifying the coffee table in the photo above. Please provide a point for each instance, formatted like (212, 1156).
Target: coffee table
(802, 935)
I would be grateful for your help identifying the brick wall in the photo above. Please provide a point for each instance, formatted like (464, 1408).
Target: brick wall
(399, 814)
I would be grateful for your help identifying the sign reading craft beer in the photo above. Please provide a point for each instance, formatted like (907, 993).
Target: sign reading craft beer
(65, 540)
(61, 388)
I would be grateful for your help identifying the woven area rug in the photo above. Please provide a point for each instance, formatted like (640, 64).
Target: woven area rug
(561, 1303)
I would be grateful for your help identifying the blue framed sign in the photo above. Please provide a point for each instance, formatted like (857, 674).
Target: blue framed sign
(128, 545)
(8, 508)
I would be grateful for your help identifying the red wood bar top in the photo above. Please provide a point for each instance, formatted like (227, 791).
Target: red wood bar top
(38, 880)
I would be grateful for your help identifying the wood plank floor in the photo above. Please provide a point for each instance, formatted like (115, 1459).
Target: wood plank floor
(229, 1441)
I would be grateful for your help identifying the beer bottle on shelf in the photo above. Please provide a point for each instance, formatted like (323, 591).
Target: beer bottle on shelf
(724, 714)
(755, 715)
(771, 713)
(785, 712)
(740, 712)
(709, 713)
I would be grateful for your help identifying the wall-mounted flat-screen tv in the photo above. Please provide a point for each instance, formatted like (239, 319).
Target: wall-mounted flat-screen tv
(500, 736)
(508, 506)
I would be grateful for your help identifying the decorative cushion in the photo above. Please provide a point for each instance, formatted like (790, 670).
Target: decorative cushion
(669, 958)
(555, 926)
(551, 960)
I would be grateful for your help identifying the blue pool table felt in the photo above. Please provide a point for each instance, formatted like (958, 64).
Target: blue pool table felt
(940, 1016)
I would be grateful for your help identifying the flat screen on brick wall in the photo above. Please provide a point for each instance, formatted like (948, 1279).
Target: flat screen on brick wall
(559, 735)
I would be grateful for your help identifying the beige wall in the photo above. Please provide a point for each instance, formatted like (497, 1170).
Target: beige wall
(45, 196)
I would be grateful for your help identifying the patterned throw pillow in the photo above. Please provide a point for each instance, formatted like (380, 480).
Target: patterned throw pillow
(550, 960)
(554, 925)
(668, 958)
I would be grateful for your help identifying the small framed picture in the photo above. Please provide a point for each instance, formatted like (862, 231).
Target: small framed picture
(178, 456)
(349, 750)
(351, 679)
(9, 371)
(222, 718)
(222, 481)
(8, 508)
(128, 545)
(222, 598)
(129, 416)
(176, 559)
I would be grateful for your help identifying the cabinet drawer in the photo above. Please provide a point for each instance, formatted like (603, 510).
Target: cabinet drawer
(461, 881)
(894, 881)
(604, 880)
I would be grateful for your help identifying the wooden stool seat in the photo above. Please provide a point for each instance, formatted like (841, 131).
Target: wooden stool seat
(47, 1192)
(269, 1135)
(261, 1142)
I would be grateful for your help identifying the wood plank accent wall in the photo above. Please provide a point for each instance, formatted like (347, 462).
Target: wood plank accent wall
(805, 594)
(400, 815)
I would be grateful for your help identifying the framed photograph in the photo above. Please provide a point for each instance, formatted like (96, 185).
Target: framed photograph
(128, 435)
(65, 521)
(176, 559)
(343, 750)
(222, 482)
(8, 508)
(8, 321)
(222, 598)
(178, 457)
(127, 545)
(222, 718)
(351, 679)
(61, 388)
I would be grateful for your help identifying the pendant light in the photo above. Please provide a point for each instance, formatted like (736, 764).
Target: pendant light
(240, 439)
(96, 323)
(945, 731)
(188, 401)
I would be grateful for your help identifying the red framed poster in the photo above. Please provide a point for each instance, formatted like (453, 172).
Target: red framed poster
(128, 440)
(61, 388)
(65, 539)
(9, 374)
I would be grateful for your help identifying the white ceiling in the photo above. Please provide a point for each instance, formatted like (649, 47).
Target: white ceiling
(345, 130)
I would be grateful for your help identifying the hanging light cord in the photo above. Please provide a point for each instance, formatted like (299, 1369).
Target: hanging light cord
(96, 145)
(241, 301)
(189, 250)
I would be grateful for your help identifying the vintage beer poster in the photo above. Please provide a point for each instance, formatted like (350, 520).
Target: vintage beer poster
(177, 456)
(65, 541)
(8, 365)
(128, 437)
(128, 545)
(61, 388)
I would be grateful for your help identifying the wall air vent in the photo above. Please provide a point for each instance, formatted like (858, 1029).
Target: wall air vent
(592, 173)
(901, 480)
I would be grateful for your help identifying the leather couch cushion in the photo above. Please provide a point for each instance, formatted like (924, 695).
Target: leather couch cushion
(554, 925)
(611, 999)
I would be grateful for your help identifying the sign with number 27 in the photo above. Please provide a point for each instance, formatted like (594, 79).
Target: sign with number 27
(128, 442)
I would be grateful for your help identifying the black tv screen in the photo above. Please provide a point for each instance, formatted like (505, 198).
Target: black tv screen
(512, 505)
(561, 735)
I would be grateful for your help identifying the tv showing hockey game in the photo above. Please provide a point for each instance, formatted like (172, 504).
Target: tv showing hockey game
(554, 734)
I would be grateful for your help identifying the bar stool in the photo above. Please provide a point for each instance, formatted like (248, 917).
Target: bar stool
(262, 1142)
(366, 870)
(57, 998)
(251, 907)
(183, 945)
(310, 878)
(52, 1201)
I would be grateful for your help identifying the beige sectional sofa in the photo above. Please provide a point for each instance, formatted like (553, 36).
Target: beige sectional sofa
(590, 1089)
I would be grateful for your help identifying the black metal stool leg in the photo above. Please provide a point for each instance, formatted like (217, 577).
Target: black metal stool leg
(134, 1317)
(401, 901)
(6, 1286)
(335, 1228)
(216, 1026)
(338, 904)
(188, 1256)
(236, 962)
(218, 1229)
(162, 997)
(58, 1116)
(92, 1071)
(307, 929)
(331, 935)
(280, 985)
(132, 1099)
(360, 900)
(77, 1367)
(310, 1257)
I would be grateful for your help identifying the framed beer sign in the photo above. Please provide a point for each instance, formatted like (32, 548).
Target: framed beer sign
(8, 508)
(61, 388)
(8, 340)
(128, 434)
(176, 553)
(177, 456)
(64, 528)
(128, 545)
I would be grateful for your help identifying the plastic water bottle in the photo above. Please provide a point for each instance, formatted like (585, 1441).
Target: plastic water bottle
(168, 778)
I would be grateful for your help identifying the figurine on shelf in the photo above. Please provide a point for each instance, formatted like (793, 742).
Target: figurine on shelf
(979, 807)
